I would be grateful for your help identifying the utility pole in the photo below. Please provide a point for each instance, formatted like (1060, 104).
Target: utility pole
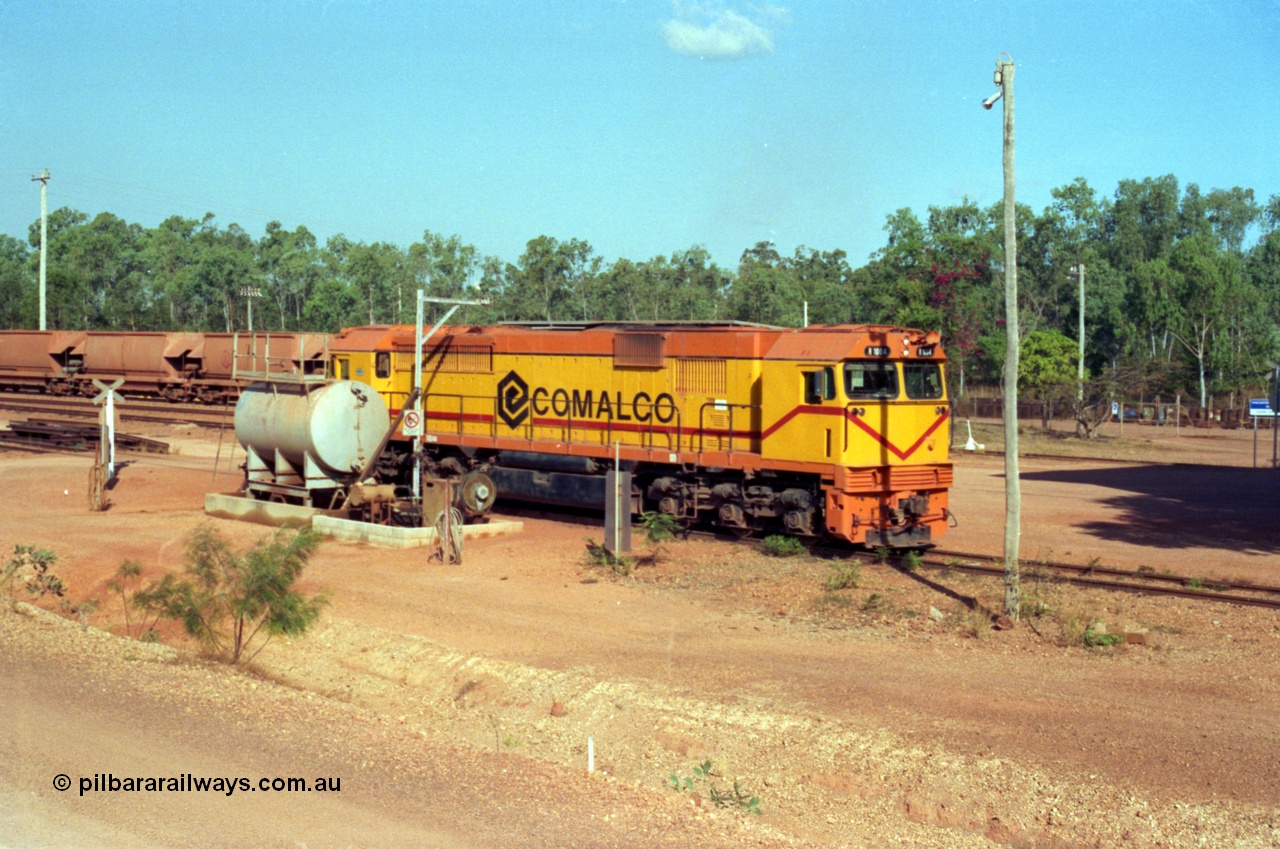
(1077, 271)
(1012, 485)
(43, 179)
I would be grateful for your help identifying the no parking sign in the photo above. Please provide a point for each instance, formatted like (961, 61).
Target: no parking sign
(413, 423)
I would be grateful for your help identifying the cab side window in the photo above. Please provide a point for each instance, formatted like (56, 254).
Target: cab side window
(871, 379)
(819, 385)
(922, 380)
(382, 365)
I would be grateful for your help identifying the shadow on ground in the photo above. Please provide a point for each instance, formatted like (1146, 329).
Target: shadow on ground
(1183, 506)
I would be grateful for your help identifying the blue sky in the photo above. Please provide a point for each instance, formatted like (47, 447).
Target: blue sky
(639, 126)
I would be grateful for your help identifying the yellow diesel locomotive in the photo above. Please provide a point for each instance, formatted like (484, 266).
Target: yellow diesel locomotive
(839, 431)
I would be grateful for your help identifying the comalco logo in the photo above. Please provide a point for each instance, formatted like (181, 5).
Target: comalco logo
(516, 401)
(513, 400)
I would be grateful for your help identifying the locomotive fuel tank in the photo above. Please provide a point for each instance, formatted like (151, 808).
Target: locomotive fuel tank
(308, 435)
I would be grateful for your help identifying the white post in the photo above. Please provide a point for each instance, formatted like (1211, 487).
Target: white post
(44, 238)
(417, 384)
(107, 429)
(108, 437)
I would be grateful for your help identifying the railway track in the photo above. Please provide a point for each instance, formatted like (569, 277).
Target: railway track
(1142, 580)
(134, 409)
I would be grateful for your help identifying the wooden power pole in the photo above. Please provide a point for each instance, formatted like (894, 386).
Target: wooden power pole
(1012, 485)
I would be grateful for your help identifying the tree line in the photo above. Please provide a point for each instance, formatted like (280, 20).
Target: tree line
(1182, 286)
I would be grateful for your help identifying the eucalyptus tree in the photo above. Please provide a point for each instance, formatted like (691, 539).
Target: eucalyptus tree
(168, 256)
(627, 290)
(690, 285)
(290, 266)
(224, 268)
(443, 268)
(379, 275)
(765, 290)
(554, 281)
(1143, 221)
(1202, 282)
(17, 285)
(823, 280)
(332, 306)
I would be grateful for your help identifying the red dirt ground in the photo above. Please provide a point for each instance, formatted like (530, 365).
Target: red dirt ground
(883, 713)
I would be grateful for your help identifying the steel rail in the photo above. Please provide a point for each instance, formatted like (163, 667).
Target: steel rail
(137, 411)
(1142, 574)
(1154, 584)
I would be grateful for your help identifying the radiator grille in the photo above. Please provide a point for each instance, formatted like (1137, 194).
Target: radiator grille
(471, 359)
(642, 350)
(700, 376)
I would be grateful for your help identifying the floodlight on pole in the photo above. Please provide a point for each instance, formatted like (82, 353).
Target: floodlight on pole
(249, 293)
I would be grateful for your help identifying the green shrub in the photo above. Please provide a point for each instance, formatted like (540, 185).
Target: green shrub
(33, 568)
(598, 555)
(778, 545)
(228, 599)
(844, 576)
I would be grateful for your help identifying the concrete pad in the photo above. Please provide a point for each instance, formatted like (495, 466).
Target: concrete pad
(333, 523)
(237, 507)
(391, 536)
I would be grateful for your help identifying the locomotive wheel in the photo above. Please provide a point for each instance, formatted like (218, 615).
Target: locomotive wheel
(477, 493)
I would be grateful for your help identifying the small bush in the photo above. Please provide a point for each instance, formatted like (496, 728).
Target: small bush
(782, 546)
(659, 527)
(1094, 639)
(228, 598)
(844, 576)
(977, 624)
(33, 568)
(736, 799)
(598, 555)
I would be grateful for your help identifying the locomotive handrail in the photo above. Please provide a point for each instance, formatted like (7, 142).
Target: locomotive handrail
(527, 428)
(719, 405)
(288, 371)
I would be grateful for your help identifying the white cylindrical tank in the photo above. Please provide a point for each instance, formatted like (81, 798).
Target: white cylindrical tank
(337, 425)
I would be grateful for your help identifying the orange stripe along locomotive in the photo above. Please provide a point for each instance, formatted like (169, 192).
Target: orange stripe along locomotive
(839, 431)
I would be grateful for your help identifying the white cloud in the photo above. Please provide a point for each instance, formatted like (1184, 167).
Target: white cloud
(714, 33)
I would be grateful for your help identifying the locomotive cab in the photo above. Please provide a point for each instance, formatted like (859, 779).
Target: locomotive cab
(873, 405)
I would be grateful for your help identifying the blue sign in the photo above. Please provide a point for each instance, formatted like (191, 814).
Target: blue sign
(1260, 407)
